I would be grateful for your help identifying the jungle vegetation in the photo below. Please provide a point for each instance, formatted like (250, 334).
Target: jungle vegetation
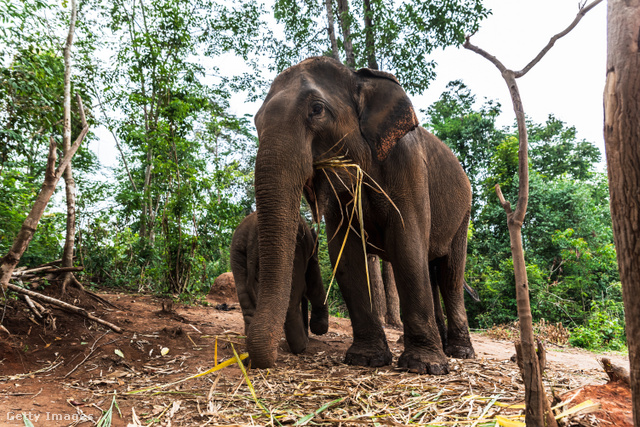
(153, 80)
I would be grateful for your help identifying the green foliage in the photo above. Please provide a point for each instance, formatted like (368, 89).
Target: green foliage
(16, 199)
(571, 261)
(188, 180)
(31, 113)
(404, 34)
(555, 150)
(603, 330)
(163, 220)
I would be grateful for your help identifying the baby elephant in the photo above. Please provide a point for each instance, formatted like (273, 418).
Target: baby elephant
(306, 282)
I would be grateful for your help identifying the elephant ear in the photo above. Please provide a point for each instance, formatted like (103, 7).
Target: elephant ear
(386, 113)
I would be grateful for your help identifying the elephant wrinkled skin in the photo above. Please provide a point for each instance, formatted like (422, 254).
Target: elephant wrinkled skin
(306, 282)
(320, 109)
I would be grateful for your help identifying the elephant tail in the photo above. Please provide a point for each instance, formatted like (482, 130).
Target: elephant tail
(472, 292)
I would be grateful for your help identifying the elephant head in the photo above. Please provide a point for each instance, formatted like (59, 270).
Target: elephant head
(312, 108)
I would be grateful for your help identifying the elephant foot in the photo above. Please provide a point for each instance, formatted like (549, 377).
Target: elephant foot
(423, 362)
(298, 344)
(460, 351)
(362, 355)
(319, 324)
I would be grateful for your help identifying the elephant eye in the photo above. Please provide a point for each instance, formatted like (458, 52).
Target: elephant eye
(316, 109)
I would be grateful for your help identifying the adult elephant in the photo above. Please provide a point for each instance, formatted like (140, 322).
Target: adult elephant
(306, 282)
(321, 109)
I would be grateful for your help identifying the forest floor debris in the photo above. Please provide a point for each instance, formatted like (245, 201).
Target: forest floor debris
(68, 375)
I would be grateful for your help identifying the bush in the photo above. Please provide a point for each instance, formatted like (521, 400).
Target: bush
(604, 329)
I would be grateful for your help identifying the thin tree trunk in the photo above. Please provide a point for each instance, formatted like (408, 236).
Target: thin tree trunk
(369, 36)
(331, 30)
(391, 293)
(145, 225)
(115, 138)
(345, 23)
(70, 184)
(52, 176)
(622, 143)
(538, 411)
(377, 287)
(146, 196)
(147, 201)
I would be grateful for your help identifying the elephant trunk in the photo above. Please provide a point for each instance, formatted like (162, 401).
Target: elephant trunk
(278, 182)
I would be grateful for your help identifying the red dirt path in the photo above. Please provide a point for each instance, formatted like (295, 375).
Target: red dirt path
(56, 396)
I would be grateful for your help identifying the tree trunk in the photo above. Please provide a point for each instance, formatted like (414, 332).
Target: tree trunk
(70, 184)
(622, 143)
(345, 23)
(52, 176)
(146, 195)
(391, 293)
(331, 30)
(369, 36)
(538, 411)
(377, 287)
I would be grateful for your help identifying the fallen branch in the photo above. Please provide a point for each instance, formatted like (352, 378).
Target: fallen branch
(30, 272)
(100, 299)
(77, 310)
(93, 349)
(44, 270)
(40, 307)
(32, 306)
(61, 270)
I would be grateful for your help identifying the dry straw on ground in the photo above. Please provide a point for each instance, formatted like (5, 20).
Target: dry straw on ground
(320, 390)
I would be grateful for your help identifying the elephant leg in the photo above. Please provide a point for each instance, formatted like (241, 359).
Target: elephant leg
(295, 327)
(304, 305)
(316, 295)
(437, 304)
(450, 278)
(295, 331)
(369, 346)
(245, 282)
(423, 351)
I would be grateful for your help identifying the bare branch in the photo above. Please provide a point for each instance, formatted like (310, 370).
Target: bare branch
(583, 11)
(467, 45)
(32, 306)
(506, 205)
(538, 411)
(67, 76)
(115, 138)
(331, 30)
(83, 118)
(92, 350)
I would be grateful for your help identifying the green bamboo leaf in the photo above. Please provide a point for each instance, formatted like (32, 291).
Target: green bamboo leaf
(302, 421)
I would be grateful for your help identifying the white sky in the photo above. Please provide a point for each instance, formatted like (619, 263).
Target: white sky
(568, 82)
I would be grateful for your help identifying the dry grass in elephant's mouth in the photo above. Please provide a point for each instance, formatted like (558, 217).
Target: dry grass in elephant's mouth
(358, 178)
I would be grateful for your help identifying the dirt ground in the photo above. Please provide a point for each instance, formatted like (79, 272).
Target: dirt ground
(68, 375)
